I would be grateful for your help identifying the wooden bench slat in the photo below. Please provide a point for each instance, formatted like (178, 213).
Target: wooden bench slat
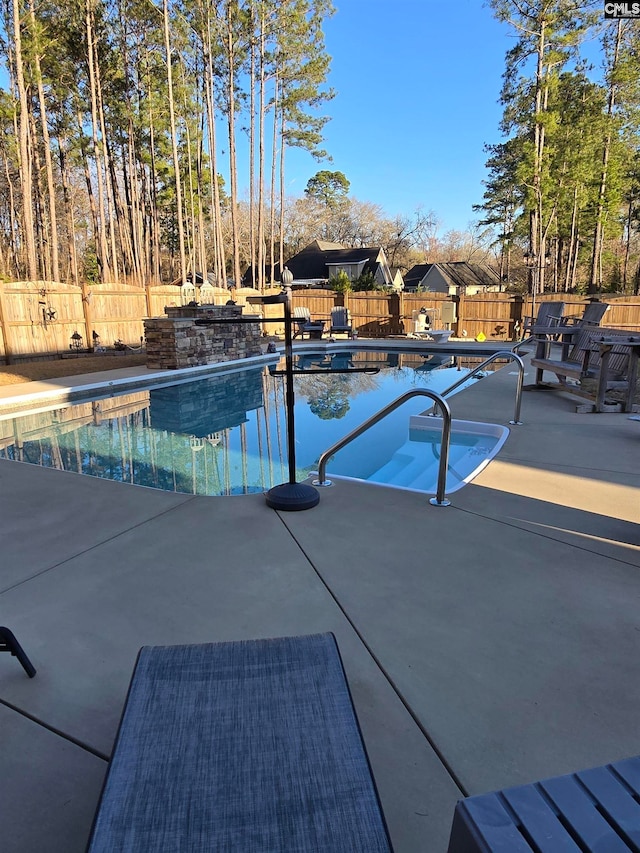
(593, 810)
(482, 824)
(614, 799)
(629, 770)
(244, 746)
(539, 820)
(564, 368)
(579, 811)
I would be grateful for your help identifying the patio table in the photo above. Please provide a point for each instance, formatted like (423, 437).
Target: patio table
(315, 329)
(606, 346)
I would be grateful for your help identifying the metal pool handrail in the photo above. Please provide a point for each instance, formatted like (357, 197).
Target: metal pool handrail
(508, 354)
(440, 499)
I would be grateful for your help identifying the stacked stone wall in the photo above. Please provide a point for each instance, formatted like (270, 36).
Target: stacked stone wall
(176, 341)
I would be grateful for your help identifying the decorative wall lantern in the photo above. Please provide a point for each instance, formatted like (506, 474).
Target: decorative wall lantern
(76, 341)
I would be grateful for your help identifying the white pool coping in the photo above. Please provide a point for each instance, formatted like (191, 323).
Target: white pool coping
(51, 393)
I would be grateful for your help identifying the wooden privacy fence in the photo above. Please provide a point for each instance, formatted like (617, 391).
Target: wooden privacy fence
(496, 315)
(39, 318)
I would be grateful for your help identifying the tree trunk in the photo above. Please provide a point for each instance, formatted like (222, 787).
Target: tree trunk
(191, 231)
(231, 123)
(174, 147)
(132, 214)
(25, 147)
(283, 126)
(68, 207)
(155, 262)
(572, 249)
(252, 148)
(201, 195)
(103, 252)
(272, 193)
(536, 241)
(261, 111)
(41, 222)
(51, 192)
(627, 243)
(219, 261)
(112, 201)
(14, 228)
(595, 280)
(93, 207)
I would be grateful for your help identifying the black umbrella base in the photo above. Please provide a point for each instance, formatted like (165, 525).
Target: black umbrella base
(292, 497)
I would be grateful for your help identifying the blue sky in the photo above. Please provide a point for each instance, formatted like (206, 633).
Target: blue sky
(417, 84)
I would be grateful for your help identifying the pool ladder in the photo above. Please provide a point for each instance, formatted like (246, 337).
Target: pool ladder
(439, 399)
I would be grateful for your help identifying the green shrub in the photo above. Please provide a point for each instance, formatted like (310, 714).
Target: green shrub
(340, 282)
(365, 282)
(91, 267)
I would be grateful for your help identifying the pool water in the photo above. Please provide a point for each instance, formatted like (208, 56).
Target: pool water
(226, 434)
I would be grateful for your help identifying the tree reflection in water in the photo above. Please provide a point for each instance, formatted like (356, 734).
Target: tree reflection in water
(329, 396)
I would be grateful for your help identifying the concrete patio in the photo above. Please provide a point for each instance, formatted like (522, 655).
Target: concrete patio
(487, 644)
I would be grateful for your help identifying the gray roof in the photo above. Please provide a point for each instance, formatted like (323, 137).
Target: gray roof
(463, 274)
(312, 262)
(415, 275)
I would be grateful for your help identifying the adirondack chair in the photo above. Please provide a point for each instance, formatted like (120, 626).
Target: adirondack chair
(548, 318)
(301, 318)
(591, 316)
(340, 321)
(568, 329)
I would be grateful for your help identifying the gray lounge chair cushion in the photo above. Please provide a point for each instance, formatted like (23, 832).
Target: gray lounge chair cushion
(244, 746)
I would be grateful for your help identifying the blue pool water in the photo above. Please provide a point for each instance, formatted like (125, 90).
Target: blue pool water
(226, 434)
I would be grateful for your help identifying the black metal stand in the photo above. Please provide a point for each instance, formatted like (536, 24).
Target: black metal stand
(8, 643)
(291, 496)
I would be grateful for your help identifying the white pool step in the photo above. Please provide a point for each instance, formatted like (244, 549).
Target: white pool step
(415, 464)
(411, 464)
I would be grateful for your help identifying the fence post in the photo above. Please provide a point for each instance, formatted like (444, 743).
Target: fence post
(517, 315)
(86, 311)
(5, 328)
(457, 300)
(394, 312)
(147, 296)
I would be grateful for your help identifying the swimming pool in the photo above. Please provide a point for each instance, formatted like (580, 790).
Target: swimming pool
(225, 434)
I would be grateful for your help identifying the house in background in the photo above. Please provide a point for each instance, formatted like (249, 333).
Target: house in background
(413, 279)
(397, 281)
(319, 261)
(453, 278)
